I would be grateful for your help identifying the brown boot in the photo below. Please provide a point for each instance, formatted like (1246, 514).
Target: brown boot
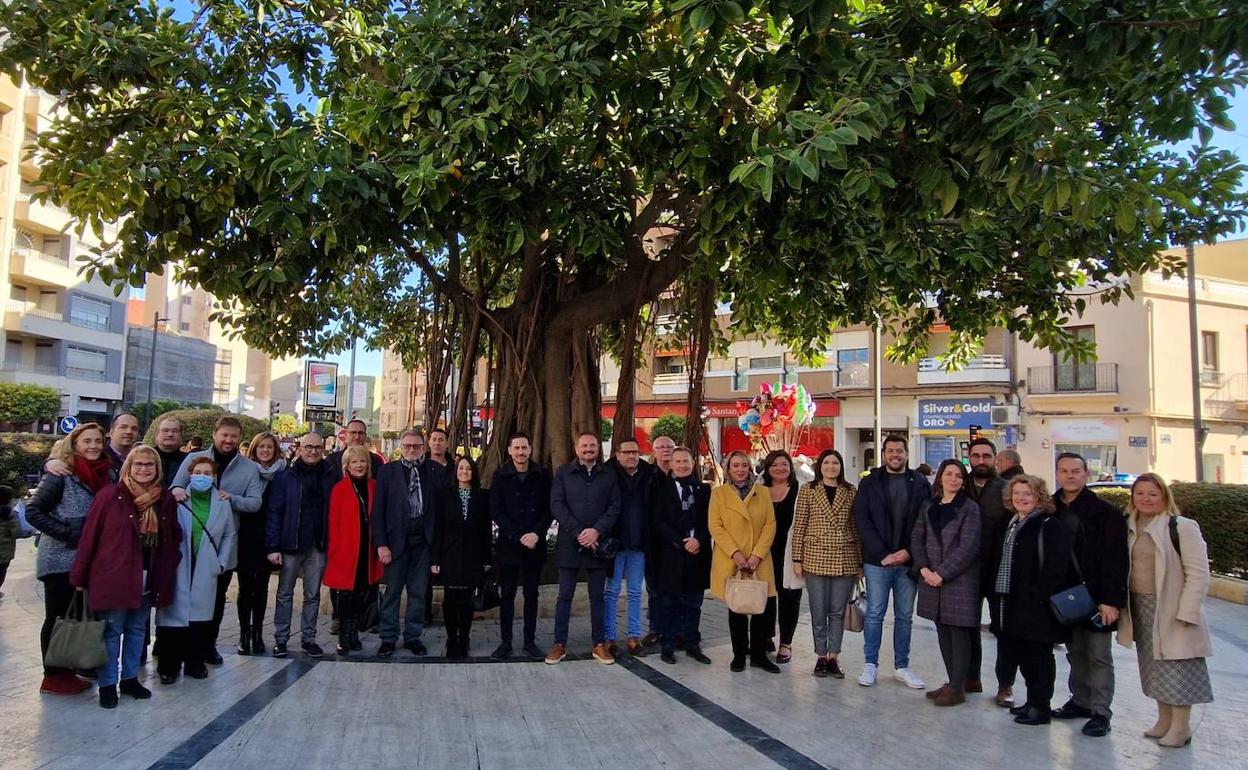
(1180, 732)
(939, 691)
(973, 685)
(950, 697)
(636, 648)
(1005, 697)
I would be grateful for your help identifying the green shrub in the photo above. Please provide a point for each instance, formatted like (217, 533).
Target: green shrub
(1222, 512)
(670, 425)
(25, 404)
(22, 454)
(199, 422)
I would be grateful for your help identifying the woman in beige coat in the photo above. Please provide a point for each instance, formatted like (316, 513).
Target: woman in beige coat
(742, 522)
(1165, 617)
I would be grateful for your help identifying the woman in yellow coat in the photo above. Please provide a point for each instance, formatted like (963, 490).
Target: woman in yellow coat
(743, 525)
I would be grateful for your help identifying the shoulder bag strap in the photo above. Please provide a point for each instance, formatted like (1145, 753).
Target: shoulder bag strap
(204, 526)
(1174, 535)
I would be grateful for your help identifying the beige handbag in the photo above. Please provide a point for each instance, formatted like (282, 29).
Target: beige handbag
(745, 595)
(856, 610)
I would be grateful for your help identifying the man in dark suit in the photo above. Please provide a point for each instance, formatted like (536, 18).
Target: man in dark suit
(402, 533)
(988, 491)
(520, 507)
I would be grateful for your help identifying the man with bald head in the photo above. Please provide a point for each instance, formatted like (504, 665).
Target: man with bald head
(169, 447)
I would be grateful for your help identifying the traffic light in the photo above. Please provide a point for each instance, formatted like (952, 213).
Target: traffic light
(246, 398)
(974, 431)
(274, 408)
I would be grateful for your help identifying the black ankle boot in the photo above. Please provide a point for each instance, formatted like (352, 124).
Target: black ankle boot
(257, 640)
(244, 640)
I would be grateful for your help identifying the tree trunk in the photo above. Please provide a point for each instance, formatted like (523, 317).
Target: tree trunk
(699, 348)
(467, 369)
(625, 393)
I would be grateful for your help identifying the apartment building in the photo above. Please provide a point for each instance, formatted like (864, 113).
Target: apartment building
(402, 395)
(1131, 410)
(60, 330)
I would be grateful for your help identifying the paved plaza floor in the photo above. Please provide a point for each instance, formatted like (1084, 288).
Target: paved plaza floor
(261, 712)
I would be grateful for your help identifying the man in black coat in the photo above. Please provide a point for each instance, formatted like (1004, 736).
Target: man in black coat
(885, 509)
(1100, 535)
(520, 507)
(988, 491)
(402, 523)
(585, 500)
(631, 532)
(169, 447)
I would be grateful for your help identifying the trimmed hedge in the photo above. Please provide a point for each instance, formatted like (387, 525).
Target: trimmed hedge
(199, 422)
(1222, 512)
(23, 454)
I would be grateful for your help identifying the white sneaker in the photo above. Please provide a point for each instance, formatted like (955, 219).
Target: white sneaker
(909, 679)
(867, 677)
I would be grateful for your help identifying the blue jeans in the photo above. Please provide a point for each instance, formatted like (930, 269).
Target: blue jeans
(630, 566)
(124, 632)
(880, 581)
(310, 567)
(410, 571)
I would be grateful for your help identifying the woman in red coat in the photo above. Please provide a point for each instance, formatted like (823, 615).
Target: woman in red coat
(351, 562)
(131, 532)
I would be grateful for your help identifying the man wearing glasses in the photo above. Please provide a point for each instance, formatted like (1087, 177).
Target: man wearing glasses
(402, 525)
(632, 532)
(295, 537)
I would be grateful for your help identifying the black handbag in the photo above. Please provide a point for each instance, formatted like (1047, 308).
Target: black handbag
(1071, 606)
(485, 596)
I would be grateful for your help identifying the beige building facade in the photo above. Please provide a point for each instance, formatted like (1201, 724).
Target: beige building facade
(60, 330)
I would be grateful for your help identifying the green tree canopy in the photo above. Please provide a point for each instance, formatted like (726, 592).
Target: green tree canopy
(546, 167)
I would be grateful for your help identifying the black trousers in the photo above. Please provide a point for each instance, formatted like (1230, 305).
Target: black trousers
(457, 614)
(955, 648)
(183, 647)
(253, 599)
(1035, 661)
(218, 609)
(510, 577)
(789, 608)
(57, 594)
(1005, 669)
(4, 570)
(750, 632)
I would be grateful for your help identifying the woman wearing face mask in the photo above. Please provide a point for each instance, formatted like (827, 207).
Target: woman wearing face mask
(828, 553)
(945, 549)
(254, 568)
(184, 628)
(131, 533)
(58, 510)
(679, 560)
(461, 551)
(1165, 618)
(743, 525)
(351, 563)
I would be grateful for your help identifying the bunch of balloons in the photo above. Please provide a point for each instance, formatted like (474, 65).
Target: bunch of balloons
(774, 417)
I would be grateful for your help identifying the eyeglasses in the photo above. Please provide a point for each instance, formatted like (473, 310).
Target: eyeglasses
(412, 446)
(142, 465)
(316, 448)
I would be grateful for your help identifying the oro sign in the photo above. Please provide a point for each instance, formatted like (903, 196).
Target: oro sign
(954, 414)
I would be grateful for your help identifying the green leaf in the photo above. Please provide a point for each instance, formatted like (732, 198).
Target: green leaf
(949, 196)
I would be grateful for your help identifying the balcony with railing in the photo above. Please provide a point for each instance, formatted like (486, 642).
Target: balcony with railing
(984, 368)
(1091, 378)
(670, 384)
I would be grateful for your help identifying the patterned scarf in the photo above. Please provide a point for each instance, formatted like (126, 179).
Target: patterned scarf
(94, 474)
(146, 502)
(1002, 585)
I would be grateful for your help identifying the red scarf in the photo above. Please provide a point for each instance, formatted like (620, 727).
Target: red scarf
(94, 474)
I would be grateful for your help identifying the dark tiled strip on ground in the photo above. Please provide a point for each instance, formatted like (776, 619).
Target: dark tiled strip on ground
(217, 731)
(773, 748)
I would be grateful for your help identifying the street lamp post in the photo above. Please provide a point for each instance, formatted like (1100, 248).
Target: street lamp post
(151, 369)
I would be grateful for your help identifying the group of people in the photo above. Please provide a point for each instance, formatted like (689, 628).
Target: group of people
(139, 528)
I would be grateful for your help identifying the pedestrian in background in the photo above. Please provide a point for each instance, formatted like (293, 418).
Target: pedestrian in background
(1165, 618)
(828, 555)
(945, 549)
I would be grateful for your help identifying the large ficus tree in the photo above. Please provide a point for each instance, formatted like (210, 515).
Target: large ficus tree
(551, 167)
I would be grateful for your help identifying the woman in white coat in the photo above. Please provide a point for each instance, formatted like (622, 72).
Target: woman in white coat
(1165, 617)
(184, 628)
